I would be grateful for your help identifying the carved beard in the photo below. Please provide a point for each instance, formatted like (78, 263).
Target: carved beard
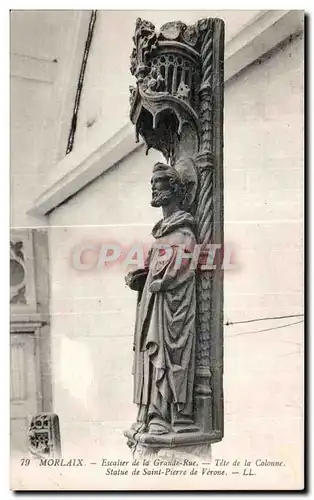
(161, 198)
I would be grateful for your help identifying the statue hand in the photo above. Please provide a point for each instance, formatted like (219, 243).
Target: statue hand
(129, 278)
(136, 279)
(155, 286)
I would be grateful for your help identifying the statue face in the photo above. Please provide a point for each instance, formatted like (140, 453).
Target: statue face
(162, 194)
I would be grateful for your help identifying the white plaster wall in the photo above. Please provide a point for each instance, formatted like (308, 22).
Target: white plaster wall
(28, 99)
(40, 45)
(93, 312)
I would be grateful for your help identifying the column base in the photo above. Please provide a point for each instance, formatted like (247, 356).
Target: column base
(172, 445)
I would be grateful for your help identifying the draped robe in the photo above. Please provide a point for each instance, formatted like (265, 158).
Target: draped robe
(164, 357)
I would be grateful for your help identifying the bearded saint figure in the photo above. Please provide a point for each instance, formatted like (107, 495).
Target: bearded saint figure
(164, 339)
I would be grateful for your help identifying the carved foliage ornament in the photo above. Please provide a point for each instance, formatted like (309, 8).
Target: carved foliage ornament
(147, 42)
(144, 39)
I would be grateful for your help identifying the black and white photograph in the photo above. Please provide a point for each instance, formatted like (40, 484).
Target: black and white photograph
(157, 250)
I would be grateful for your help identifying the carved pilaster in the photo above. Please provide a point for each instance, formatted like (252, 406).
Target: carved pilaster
(204, 221)
(210, 224)
(216, 328)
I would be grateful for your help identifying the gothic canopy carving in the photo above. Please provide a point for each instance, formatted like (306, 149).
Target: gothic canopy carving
(168, 67)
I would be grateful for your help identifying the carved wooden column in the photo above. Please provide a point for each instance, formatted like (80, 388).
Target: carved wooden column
(177, 108)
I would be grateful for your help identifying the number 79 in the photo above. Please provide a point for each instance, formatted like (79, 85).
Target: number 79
(25, 461)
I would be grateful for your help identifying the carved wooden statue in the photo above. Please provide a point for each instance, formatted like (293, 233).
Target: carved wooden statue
(165, 328)
(177, 108)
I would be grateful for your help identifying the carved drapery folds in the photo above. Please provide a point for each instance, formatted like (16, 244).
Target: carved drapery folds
(177, 108)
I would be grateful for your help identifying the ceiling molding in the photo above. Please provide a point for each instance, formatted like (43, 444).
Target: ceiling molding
(27, 322)
(86, 163)
(79, 168)
(259, 37)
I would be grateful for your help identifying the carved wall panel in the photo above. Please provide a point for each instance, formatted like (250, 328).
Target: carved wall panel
(30, 377)
(22, 279)
(44, 436)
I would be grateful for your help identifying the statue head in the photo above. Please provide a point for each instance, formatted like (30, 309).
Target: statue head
(167, 186)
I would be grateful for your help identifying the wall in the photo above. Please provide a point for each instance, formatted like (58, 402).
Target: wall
(264, 223)
(93, 312)
(46, 49)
